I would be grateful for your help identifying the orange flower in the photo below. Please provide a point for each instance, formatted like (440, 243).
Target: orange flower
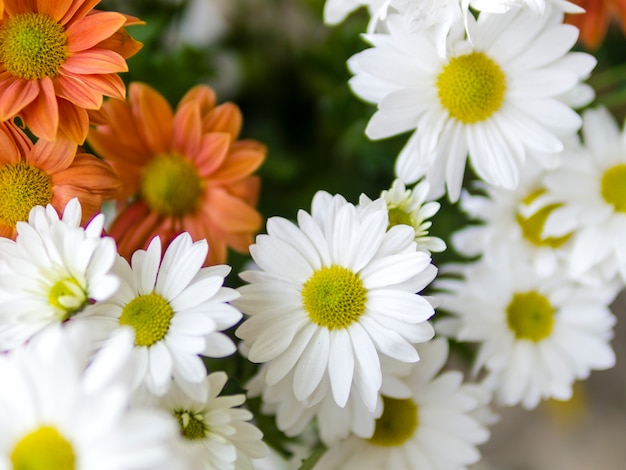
(594, 23)
(57, 60)
(180, 171)
(48, 172)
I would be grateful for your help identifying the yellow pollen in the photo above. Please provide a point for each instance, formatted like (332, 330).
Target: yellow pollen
(397, 424)
(613, 187)
(150, 316)
(68, 296)
(399, 216)
(530, 316)
(43, 449)
(22, 187)
(192, 425)
(471, 87)
(532, 227)
(32, 46)
(171, 186)
(334, 297)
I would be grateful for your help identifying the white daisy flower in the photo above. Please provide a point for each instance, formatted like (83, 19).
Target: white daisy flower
(495, 97)
(590, 185)
(53, 271)
(536, 7)
(177, 309)
(55, 414)
(515, 219)
(333, 422)
(410, 207)
(216, 432)
(434, 16)
(537, 335)
(332, 294)
(435, 428)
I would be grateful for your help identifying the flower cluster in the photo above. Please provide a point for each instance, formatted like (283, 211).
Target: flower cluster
(124, 343)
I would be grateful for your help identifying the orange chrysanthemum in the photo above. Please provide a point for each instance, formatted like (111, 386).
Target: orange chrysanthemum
(48, 172)
(57, 60)
(594, 23)
(182, 171)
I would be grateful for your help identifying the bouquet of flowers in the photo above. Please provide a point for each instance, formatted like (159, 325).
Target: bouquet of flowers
(356, 275)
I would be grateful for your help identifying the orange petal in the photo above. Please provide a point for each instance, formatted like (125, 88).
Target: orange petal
(42, 115)
(15, 94)
(213, 150)
(224, 118)
(231, 213)
(202, 95)
(109, 84)
(52, 156)
(73, 121)
(74, 90)
(92, 29)
(78, 10)
(124, 126)
(104, 143)
(187, 132)
(9, 151)
(122, 43)
(240, 241)
(95, 61)
(154, 116)
(241, 161)
(133, 227)
(15, 7)
(90, 203)
(7, 232)
(54, 8)
(90, 173)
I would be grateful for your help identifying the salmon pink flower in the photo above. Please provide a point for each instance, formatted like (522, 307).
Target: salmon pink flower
(48, 172)
(57, 60)
(594, 23)
(181, 171)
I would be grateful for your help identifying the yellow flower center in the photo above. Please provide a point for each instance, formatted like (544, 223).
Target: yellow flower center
(150, 316)
(171, 186)
(192, 425)
(397, 424)
(532, 227)
(68, 296)
(613, 187)
(334, 297)
(22, 187)
(43, 449)
(398, 215)
(32, 46)
(530, 316)
(471, 87)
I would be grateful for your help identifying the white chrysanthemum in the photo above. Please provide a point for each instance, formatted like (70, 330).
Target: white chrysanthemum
(591, 187)
(217, 434)
(333, 422)
(496, 97)
(537, 7)
(513, 219)
(332, 294)
(53, 271)
(537, 335)
(435, 16)
(410, 207)
(177, 309)
(55, 414)
(433, 429)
